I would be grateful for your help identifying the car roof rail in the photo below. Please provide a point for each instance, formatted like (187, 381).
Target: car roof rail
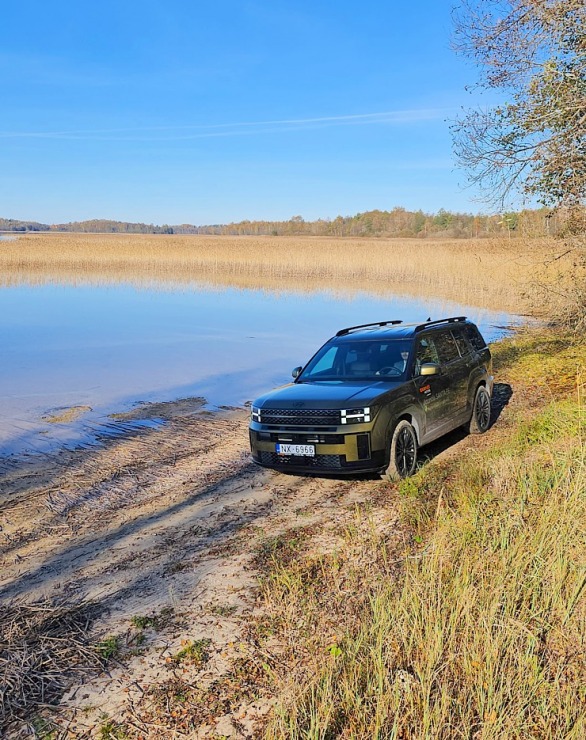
(348, 329)
(450, 320)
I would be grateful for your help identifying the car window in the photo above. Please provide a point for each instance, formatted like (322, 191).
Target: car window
(326, 363)
(426, 352)
(389, 356)
(460, 339)
(360, 359)
(446, 346)
(474, 337)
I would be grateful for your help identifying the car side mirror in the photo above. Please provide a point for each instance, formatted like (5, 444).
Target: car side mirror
(430, 368)
(296, 372)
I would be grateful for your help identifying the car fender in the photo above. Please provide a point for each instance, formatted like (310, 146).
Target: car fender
(478, 376)
(403, 408)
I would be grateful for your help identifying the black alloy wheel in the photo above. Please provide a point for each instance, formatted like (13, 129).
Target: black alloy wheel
(402, 452)
(480, 420)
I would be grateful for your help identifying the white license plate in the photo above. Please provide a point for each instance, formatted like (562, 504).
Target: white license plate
(304, 450)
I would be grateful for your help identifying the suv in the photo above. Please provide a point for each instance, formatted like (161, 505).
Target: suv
(374, 394)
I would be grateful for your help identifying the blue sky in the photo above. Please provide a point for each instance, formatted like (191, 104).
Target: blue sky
(209, 112)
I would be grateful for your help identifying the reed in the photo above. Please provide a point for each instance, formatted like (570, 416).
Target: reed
(478, 272)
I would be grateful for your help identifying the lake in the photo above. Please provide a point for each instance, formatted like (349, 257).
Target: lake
(107, 348)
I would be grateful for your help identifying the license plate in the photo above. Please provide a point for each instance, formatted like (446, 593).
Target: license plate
(303, 450)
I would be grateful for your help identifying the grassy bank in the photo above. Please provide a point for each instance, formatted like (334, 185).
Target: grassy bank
(479, 272)
(474, 626)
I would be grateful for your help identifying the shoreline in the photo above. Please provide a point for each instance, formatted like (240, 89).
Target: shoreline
(203, 580)
(163, 527)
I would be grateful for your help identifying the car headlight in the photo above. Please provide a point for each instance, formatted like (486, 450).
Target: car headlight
(255, 413)
(355, 416)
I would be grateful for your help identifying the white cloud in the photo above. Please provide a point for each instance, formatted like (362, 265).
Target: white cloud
(241, 128)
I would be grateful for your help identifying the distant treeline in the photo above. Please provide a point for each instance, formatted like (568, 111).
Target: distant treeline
(395, 223)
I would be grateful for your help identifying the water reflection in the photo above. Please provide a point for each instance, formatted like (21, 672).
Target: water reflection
(108, 347)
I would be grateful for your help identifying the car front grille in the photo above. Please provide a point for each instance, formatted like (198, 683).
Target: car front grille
(325, 462)
(300, 417)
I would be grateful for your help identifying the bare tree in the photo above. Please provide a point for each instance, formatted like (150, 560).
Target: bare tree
(534, 143)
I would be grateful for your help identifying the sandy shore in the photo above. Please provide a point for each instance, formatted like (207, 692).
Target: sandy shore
(158, 533)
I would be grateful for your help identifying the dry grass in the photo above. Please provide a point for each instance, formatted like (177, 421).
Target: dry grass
(478, 629)
(478, 272)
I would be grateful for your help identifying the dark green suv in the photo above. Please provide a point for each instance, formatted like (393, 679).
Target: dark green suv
(374, 394)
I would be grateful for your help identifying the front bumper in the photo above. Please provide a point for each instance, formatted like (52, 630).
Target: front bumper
(339, 452)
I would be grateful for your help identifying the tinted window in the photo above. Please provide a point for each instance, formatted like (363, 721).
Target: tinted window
(426, 352)
(474, 337)
(461, 342)
(446, 346)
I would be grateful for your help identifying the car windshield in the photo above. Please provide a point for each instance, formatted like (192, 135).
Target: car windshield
(361, 359)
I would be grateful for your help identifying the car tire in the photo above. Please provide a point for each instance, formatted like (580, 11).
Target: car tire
(402, 452)
(480, 419)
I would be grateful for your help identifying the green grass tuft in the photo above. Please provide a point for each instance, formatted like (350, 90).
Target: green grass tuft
(194, 652)
(109, 647)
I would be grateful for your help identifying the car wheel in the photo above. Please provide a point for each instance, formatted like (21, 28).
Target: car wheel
(480, 419)
(402, 452)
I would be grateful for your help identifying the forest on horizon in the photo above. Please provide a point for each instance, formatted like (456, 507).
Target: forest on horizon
(398, 222)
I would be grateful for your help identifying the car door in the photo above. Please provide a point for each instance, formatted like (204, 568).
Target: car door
(431, 390)
(456, 368)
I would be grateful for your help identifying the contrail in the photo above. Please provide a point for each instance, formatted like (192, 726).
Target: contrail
(201, 131)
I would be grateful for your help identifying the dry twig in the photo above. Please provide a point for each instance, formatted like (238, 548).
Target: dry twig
(42, 645)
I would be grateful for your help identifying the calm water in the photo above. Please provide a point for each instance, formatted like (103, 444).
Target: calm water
(111, 347)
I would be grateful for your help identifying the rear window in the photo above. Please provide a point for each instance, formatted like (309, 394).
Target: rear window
(474, 337)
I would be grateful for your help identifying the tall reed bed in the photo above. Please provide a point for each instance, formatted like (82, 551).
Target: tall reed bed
(480, 272)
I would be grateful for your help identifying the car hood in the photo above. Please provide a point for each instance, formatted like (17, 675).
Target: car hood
(325, 394)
